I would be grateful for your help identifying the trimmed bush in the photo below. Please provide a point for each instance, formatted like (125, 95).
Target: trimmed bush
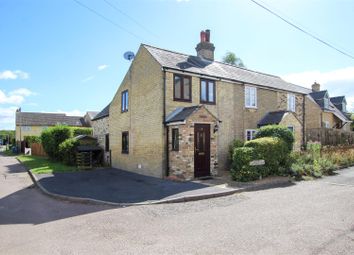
(32, 139)
(234, 144)
(241, 169)
(277, 131)
(275, 153)
(67, 151)
(52, 137)
(81, 131)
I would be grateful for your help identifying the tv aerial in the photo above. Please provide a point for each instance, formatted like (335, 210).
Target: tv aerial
(129, 55)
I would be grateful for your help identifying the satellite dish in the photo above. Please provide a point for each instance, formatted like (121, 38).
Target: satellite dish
(129, 55)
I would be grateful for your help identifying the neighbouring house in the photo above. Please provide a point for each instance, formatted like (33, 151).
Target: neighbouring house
(33, 123)
(89, 116)
(176, 115)
(325, 112)
(100, 125)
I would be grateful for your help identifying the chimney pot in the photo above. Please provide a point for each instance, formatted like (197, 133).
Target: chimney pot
(205, 49)
(316, 87)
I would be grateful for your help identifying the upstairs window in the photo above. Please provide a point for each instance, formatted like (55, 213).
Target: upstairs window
(344, 107)
(207, 91)
(291, 102)
(182, 88)
(125, 101)
(125, 142)
(326, 101)
(175, 139)
(250, 97)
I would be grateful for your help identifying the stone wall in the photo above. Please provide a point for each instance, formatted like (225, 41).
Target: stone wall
(100, 128)
(289, 120)
(143, 120)
(182, 161)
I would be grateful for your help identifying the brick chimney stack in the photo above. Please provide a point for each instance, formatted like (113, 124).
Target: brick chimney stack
(205, 49)
(316, 87)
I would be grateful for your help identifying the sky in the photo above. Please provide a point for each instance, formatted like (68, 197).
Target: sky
(58, 56)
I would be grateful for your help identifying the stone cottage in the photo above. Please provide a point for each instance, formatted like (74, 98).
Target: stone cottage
(175, 114)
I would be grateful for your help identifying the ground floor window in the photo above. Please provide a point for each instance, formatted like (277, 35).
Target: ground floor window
(250, 134)
(175, 139)
(291, 128)
(125, 142)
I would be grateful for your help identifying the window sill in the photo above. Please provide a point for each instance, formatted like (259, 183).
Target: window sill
(183, 100)
(251, 107)
(206, 102)
(125, 152)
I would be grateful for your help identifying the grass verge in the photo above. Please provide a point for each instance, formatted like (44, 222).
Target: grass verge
(42, 165)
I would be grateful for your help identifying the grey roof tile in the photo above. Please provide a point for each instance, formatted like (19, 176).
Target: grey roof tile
(102, 114)
(272, 118)
(47, 119)
(193, 64)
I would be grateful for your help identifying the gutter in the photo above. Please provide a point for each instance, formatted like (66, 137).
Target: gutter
(167, 164)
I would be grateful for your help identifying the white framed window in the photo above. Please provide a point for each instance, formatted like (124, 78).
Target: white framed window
(250, 134)
(26, 128)
(344, 107)
(326, 124)
(250, 97)
(291, 128)
(291, 102)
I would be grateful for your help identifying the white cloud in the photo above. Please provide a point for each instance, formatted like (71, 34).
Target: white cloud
(22, 92)
(339, 82)
(88, 79)
(15, 97)
(102, 67)
(7, 117)
(13, 75)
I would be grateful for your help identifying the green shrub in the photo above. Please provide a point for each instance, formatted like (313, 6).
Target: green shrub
(234, 144)
(32, 139)
(67, 151)
(81, 131)
(275, 153)
(241, 169)
(277, 131)
(314, 150)
(52, 137)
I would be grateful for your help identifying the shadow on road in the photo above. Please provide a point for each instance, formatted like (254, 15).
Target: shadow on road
(29, 206)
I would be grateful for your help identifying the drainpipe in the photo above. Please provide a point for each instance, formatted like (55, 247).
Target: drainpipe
(167, 167)
(303, 121)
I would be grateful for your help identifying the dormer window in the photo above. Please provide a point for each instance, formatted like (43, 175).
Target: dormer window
(326, 102)
(344, 106)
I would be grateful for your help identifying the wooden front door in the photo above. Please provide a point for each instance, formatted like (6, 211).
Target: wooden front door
(201, 150)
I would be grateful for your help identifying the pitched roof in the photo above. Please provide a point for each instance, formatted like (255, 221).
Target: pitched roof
(318, 98)
(181, 114)
(337, 100)
(272, 118)
(197, 65)
(47, 119)
(102, 114)
(318, 95)
(92, 114)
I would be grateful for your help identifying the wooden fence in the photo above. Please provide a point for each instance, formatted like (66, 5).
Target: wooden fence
(37, 149)
(330, 136)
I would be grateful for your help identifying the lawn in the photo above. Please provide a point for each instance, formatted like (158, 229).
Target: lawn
(42, 165)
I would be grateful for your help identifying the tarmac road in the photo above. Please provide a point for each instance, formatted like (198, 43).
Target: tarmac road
(313, 217)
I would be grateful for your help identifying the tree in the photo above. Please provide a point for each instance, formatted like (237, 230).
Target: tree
(232, 59)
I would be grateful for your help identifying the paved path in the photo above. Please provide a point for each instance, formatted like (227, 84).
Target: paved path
(118, 186)
(314, 217)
